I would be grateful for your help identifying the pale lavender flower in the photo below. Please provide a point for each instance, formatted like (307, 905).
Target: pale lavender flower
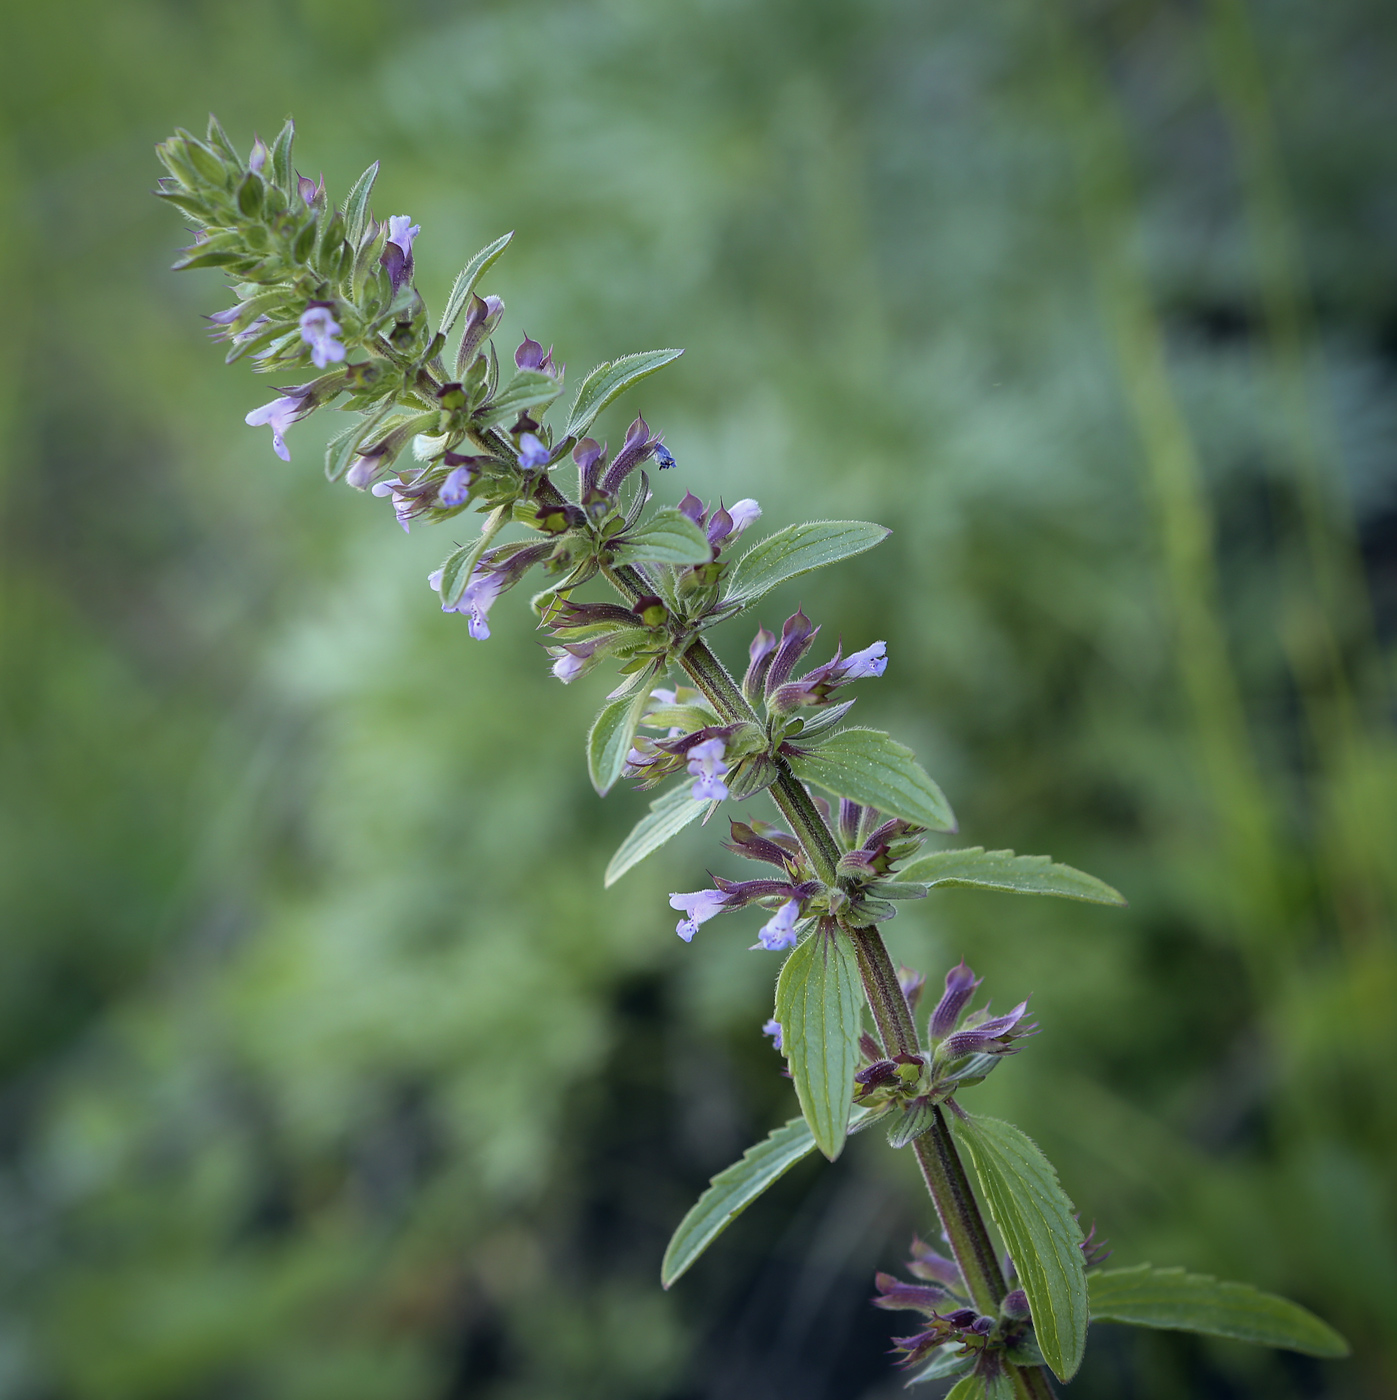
(707, 766)
(746, 512)
(402, 231)
(569, 666)
(780, 930)
(455, 490)
(364, 469)
(478, 599)
(403, 506)
(258, 157)
(319, 329)
(773, 1029)
(278, 415)
(871, 661)
(532, 453)
(700, 906)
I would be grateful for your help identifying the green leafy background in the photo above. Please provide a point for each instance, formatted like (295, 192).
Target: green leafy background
(327, 1065)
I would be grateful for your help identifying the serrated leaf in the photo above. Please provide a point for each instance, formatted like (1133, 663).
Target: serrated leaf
(280, 158)
(611, 736)
(356, 206)
(609, 381)
(466, 279)
(976, 868)
(820, 1007)
(669, 815)
(735, 1188)
(666, 538)
(528, 389)
(797, 550)
(1035, 1220)
(1182, 1302)
(870, 767)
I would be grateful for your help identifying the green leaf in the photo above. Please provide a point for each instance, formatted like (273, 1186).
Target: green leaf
(912, 1122)
(669, 815)
(666, 538)
(977, 868)
(797, 550)
(1183, 1302)
(967, 1388)
(356, 207)
(868, 766)
(734, 1189)
(945, 1362)
(612, 734)
(280, 158)
(609, 381)
(456, 571)
(820, 1008)
(466, 279)
(340, 450)
(530, 388)
(1035, 1219)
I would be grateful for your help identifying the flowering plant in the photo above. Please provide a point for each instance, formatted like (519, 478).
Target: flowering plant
(440, 434)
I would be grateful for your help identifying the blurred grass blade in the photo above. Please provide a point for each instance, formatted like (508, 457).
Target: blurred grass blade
(976, 868)
(1184, 1302)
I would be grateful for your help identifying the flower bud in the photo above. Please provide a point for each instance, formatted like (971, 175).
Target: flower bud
(760, 654)
(797, 637)
(960, 987)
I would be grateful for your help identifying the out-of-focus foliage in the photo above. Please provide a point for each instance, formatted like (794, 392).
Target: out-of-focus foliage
(330, 1069)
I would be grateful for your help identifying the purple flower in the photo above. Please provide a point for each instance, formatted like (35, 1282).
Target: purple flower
(319, 329)
(404, 507)
(700, 906)
(760, 655)
(569, 665)
(871, 661)
(278, 415)
(992, 1037)
(532, 453)
(455, 490)
(707, 766)
(746, 512)
(780, 930)
(478, 599)
(397, 250)
(960, 987)
(364, 469)
(482, 316)
(402, 231)
(896, 1296)
(664, 459)
(773, 1029)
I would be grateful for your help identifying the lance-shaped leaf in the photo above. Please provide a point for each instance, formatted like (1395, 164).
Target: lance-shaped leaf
(280, 160)
(610, 380)
(466, 279)
(1035, 1219)
(666, 538)
(1184, 1302)
(341, 449)
(528, 389)
(734, 1189)
(967, 1388)
(978, 868)
(356, 207)
(797, 550)
(613, 732)
(868, 766)
(820, 1008)
(668, 816)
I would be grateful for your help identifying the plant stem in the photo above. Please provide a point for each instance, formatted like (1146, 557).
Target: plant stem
(942, 1169)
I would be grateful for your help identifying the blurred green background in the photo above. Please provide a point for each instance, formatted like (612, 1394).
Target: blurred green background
(327, 1067)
